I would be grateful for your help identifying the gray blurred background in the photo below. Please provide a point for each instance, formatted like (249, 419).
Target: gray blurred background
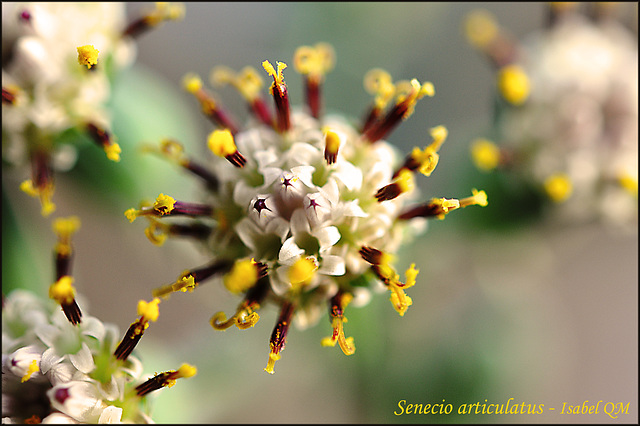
(542, 314)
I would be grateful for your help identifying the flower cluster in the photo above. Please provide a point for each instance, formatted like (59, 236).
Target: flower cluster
(566, 115)
(300, 208)
(58, 64)
(60, 366)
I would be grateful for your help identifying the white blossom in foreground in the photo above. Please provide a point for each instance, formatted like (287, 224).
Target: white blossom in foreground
(59, 61)
(566, 111)
(301, 209)
(59, 366)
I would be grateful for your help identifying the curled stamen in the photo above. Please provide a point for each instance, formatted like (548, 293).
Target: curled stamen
(148, 311)
(425, 161)
(278, 90)
(246, 315)
(222, 144)
(193, 84)
(279, 335)
(168, 206)
(105, 141)
(166, 379)
(337, 305)
(157, 232)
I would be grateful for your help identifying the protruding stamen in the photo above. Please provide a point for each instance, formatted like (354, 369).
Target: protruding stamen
(168, 206)
(279, 335)
(407, 95)
(401, 184)
(8, 96)
(148, 311)
(377, 82)
(62, 291)
(479, 198)
(193, 84)
(513, 84)
(249, 83)
(246, 315)
(106, 141)
(164, 11)
(333, 140)
(88, 55)
(166, 379)
(439, 207)
(157, 232)
(314, 62)
(41, 185)
(337, 305)
(278, 90)
(483, 32)
(64, 228)
(222, 144)
(190, 279)
(425, 161)
(558, 187)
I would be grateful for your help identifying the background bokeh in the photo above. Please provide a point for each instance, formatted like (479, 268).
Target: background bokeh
(541, 313)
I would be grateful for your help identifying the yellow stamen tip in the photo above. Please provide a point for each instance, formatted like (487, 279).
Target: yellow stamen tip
(411, 275)
(87, 55)
(113, 152)
(149, 310)
(192, 83)
(131, 214)
(242, 276)
(187, 371)
(514, 84)
(485, 154)
(332, 140)
(558, 187)
(272, 362)
(629, 183)
(65, 227)
(480, 28)
(163, 204)
(62, 291)
(302, 271)
(405, 181)
(221, 143)
(378, 82)
(314, 61)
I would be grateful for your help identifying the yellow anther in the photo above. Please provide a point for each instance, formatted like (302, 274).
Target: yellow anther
(314, 61)
(481, 28)
(221, 143)
(513, 84)
(405, 181)
(33, 368)
(242, 276)
(332, 141)
(87, 55)
(248, 82)
(62, 291)
(185, 283)
(132, 214)
(479, 198)
(410, 92)
(446, 205)
(558, 187)
(163, 204)
(113, 151)
(277, 75)
(192, 83)
(302, 271)
(271, 363)
(186, 371)
(156, 232)
(411, 275)
(485, 154)
(45, 195)
(65, 227)
(165, 11)
(378, 82)
(400, 301)
(629, 183)
(149, 311)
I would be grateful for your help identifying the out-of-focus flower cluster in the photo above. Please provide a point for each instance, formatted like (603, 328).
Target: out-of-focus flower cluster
(59, 61)
(302, 209)
(59, 366)
(566, 112)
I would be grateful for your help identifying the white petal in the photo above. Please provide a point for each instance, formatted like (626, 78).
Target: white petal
(351, 208)
(59, 419)
(92, 326)
(304, 173)
(83, 360)
(49, 360)
(289, 251)
(349, 175)
(299, 222)
(279, 283)
(247, 231)
(327, 236)
(110, 415)
(332, 265)
(47, 333)
(279, 227)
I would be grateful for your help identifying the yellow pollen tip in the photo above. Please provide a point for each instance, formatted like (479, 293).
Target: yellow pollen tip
(62, 291)
(45, 195)
(332, 141)
(558, 187)
(187, 371)
(149, 311)
(27, 187)
(302, 271)
(378, 82)
(277, 75)
(480, 28)
(87, 55)
(271, 362)
(405, 181)
(439, 135)
(242, 276)
(65, 227)
(221, 143)
(411, 275)
(113, 151)
(314, 61)
(514, 84)
(192, 83)
(131, 214)
(485, 154)
(629, 183)
(163, 204)
(478, 198)
(400, 301)
(248, 82)
(33, 368)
